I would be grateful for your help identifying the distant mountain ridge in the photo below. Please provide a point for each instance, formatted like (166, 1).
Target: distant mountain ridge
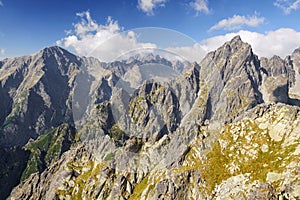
(117, 133)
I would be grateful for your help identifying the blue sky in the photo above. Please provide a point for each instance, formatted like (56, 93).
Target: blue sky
(28, 26)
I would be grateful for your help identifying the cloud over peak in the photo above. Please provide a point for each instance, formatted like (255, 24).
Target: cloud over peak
(109, 42)
(237, 22)
(148, 6)
(106, 42)
(281, 42)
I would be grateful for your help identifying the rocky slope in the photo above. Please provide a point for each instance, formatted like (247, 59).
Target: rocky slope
(256, 157)
(227, 127)
(35, 98)
(44, 92)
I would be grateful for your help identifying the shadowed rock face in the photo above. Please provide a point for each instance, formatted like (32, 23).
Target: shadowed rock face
(281, 79)
(38, 90)
(136, 140)
(35, 97)
(13, 163)
(275, 79)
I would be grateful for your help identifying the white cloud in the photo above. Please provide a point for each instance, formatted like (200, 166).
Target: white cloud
(281, 42)
(105, 42)
(1, 3)
(148, 6)
(2, 53)
(237, 22)
(200, 6)
(189, 53)
(108, 42)
(287, 5)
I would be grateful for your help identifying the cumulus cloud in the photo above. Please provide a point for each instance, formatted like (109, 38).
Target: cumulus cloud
(281, 42)
(200, 6)
(237, 22)
(287, 5)
(109, 42)
(105, 42)
(148, 6)
(194, 53)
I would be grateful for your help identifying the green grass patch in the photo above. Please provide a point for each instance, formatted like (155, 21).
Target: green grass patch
(46, 148)
(91, 171)
(118, 135)
(139, 189)
(110, 156)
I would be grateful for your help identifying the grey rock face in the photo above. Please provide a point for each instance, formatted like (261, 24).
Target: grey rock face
(230, 79)
(38, 95)
(294, 63)
(35, 96)
(143, 175)
(275, 79)
(281, 79)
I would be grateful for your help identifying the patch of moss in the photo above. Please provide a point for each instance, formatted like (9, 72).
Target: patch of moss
(77, 191)
(110, 156)
(255, 166)
(53, 152)
(153, 97)
(139, 189)
(118, 135)
(215, 168)
(46, 148)
(17, 108)
(134, 103)
(215, 164)
(32, 165)
(135, 108)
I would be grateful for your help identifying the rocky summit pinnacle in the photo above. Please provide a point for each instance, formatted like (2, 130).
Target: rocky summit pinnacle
(77, 128)
(236, 42)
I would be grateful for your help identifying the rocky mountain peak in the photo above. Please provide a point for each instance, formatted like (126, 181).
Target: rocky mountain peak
(236, 44)
(236, 40)
(148, 58)
(230, 76)
(297, 51)
(56, 58)
(234, 50)
(58, 53)
(53, 50)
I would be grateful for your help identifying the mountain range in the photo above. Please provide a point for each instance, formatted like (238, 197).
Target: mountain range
(148, 128)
